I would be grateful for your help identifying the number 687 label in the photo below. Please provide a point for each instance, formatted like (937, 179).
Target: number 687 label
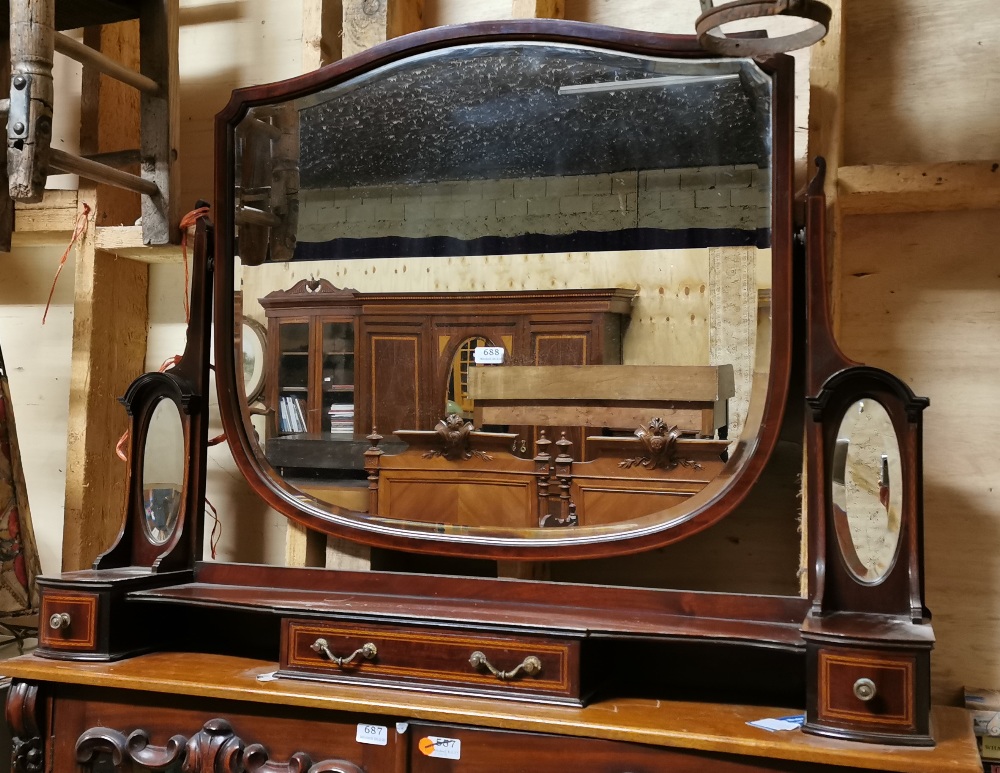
(377, 735)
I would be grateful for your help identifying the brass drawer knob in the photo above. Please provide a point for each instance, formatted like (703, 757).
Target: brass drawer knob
(368, 651)
(864, 689)
(530, 666)
(59, 621)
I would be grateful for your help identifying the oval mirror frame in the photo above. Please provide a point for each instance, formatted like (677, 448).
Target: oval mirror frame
(162, 473)
(747, 459)
(254, 345)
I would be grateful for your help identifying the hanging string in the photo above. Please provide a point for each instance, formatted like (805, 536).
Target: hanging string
(82, 221)
(216, 535)
(189, 221)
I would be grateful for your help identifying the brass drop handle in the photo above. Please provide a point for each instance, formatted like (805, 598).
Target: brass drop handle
(864, 690)
(368, 651)
(530, 666)
(59, 621)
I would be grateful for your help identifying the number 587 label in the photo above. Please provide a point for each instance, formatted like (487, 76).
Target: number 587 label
(436, 746)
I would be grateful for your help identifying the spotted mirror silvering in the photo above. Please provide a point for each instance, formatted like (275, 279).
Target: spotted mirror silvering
(480, 180)
(867, 490)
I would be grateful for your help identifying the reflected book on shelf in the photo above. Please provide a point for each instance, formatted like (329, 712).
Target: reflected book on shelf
(293, 417)
(341, 419)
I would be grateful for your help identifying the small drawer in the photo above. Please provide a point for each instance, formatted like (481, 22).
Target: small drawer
(68, 621)
(868, 687)
(467, 662)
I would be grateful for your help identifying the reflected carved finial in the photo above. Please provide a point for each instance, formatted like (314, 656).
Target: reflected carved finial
(456, 440)
(659, 441)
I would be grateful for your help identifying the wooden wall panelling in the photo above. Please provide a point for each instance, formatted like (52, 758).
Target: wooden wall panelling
(921, 81)
(920, 298)
(915, 293)
(109, 319)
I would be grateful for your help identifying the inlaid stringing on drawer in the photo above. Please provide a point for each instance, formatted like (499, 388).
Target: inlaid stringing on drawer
(422, 654)
(68, 621)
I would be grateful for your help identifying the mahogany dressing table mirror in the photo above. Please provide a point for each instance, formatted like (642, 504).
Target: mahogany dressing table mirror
(526, 292)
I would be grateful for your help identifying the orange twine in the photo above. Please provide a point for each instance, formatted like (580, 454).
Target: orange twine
(188, 221)
(120, 447)
(82, 221)
(216, 535)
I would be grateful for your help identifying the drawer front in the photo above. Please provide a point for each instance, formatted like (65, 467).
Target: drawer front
(446, 660)
(68, 621)
(868, 687)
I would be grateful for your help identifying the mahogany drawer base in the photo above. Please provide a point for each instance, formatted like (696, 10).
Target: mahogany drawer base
(457, 661)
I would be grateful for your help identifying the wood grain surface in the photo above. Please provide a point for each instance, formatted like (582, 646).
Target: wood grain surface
(696, 726)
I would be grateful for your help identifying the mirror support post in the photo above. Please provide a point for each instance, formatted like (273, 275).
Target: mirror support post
(843, 644)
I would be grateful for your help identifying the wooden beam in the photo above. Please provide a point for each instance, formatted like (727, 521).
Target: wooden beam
(56, 212)
(321, 40)
(538, 9)
(370, 22)
(160, 121)
(6, 202)
(109, 320)
(126, 241)
(29, 128)
(886, 189)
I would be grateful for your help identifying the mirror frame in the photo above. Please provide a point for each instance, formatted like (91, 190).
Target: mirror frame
(722, 496)
(186, 384)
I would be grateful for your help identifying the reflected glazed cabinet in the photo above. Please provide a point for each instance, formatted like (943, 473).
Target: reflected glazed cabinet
(394, 361)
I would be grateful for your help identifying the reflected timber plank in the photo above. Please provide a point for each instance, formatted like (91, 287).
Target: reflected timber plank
(640, 383)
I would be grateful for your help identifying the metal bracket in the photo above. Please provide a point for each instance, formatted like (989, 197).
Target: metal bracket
(20, 107)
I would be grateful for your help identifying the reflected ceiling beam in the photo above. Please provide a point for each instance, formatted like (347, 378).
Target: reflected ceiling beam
(538, 9)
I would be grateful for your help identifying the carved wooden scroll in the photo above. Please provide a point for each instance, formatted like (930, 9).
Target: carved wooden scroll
(24, 721)
(659, 444)
(214, 749)
(456, 440)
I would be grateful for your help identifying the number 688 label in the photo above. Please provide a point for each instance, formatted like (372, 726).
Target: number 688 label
(488, 355)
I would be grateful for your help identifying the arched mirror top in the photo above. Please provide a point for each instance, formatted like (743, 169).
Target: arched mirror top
(526, 288)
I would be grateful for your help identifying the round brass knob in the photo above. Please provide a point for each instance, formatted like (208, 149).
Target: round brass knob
(59, 621)
(864, 689)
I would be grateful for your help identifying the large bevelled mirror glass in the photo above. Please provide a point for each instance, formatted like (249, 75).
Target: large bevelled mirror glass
(512, 290)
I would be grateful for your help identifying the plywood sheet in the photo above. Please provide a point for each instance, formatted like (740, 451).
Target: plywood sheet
(922, 81)
(921, 298)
